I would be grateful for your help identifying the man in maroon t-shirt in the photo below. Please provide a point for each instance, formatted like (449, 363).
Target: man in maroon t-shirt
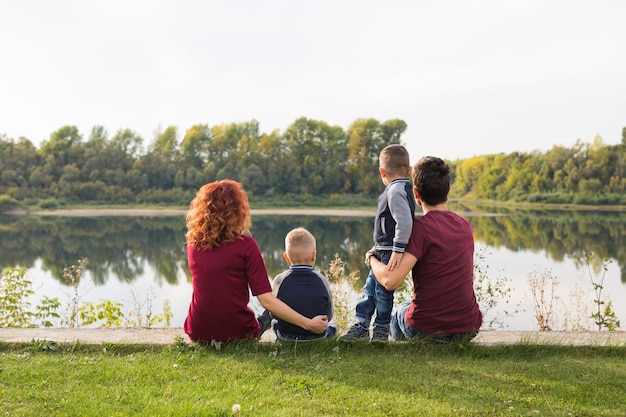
(440, 255)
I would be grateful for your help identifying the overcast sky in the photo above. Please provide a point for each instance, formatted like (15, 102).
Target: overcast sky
(468, 77)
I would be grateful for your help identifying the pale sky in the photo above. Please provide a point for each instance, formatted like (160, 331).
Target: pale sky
(468, 77)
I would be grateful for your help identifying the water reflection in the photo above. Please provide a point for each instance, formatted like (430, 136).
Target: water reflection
(116, 247)
(142, 252)
(560, 234)
(119, 247)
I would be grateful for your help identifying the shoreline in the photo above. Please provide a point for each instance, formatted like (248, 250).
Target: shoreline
(472, 209)
(104, 212)
(111, 212)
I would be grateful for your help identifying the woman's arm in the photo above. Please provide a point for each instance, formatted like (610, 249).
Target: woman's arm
(392, 279)
(317, 324)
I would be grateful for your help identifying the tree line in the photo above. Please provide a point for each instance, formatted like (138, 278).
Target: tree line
(583, 174)
(308, 160)
(311, 162)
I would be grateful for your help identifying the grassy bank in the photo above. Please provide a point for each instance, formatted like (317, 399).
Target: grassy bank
(482, 205)
(322, 205)
(321, 379)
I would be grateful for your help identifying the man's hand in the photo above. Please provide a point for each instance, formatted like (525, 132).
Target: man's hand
(394, 261)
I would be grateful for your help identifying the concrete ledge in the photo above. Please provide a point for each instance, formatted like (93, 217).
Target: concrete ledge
(169, 336)
(93, 336)
(605, 338)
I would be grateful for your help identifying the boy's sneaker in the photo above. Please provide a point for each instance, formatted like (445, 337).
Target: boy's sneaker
(357, 331)
(380, 334)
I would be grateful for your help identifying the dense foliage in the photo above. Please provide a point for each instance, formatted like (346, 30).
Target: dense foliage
(584, 174)
(309, 162)
(311, 158)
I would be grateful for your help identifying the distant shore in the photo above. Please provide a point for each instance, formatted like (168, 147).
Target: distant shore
(465, 208)
(109, 212)
(105, 212)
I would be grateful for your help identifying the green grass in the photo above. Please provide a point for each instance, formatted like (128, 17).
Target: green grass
(327, 378)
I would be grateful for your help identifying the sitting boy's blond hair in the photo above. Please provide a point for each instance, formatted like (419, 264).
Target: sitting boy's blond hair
(300, 247)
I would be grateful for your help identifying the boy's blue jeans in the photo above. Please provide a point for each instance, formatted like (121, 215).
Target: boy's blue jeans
(331, 331)
(376, 299)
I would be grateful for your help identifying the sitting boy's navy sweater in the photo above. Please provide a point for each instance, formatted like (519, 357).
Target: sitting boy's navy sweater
(306, 291)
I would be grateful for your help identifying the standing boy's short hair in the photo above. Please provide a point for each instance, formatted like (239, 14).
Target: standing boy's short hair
(395, 160)
(431, 178)
(299, 245)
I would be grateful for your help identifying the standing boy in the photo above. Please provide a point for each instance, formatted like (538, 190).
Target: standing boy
(302, 288)
(392, 227)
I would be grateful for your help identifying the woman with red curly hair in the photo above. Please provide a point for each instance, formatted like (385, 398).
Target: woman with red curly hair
(226, 265)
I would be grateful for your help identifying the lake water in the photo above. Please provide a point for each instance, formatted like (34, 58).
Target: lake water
(130, 258)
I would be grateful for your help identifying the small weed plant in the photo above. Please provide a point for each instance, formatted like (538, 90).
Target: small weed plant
(604, 316)
(548, 307)
(16, 307)
(106, 311)
(137, 318)
(491, 292)
(16, 291)
(543, 299)
(578, 313)
(73, 275)
(342, 288)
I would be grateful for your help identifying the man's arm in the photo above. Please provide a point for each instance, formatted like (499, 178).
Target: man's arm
(317, 324)
(392, 279)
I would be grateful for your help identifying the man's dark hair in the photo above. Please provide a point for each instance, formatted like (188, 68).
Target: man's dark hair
(431, 178)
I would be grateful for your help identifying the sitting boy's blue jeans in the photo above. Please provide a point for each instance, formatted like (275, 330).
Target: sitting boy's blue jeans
(376, 299)
(400, 330)
(331, 330)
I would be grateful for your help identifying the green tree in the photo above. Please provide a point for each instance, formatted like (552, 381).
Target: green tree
(314, 147)
(272, 152)
(366, 138)
(95, 163)
(598, 164)
(162, 161)
(195, 146)
(63, 148)
(18, 160)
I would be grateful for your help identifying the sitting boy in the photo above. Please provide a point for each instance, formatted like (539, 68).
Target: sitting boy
(302, 288)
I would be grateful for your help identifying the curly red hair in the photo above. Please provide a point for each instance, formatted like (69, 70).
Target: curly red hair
(219, 213)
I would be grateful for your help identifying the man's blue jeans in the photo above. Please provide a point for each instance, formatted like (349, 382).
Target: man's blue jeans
(400, 330)
(376, 299)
